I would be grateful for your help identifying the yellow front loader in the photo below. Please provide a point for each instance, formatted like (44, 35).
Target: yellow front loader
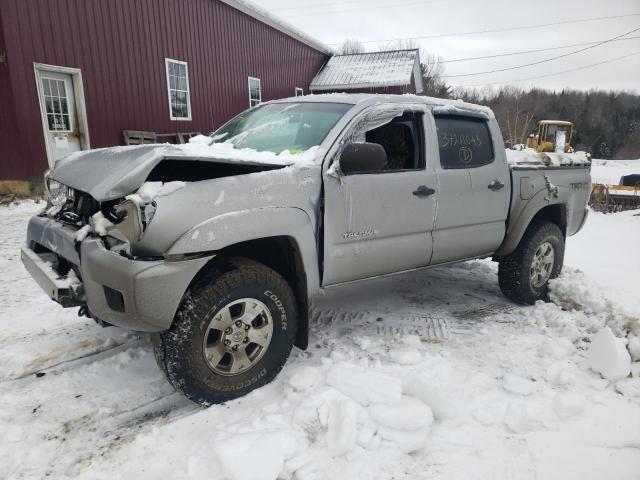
(551, 136)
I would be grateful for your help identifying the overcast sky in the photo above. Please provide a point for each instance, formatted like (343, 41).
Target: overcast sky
(331, 21)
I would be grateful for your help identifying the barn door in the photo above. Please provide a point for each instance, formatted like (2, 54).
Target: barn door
(61, 121)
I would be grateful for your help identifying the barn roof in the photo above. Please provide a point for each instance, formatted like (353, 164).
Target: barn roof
(369, 70)
(264, 16)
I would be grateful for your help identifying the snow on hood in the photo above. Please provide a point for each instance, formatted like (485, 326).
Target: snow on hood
(110, 173)
(530, 157)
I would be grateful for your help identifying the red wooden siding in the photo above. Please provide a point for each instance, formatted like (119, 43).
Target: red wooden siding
(120, 47)
(9, 151)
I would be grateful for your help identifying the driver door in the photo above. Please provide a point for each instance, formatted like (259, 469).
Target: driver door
(379, 223)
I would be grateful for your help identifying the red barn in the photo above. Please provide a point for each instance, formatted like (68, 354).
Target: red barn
(74, 74)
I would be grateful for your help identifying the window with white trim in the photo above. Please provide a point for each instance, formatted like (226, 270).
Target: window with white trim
(255, 92)
(57, 104)
(178, 88)
(299, 92)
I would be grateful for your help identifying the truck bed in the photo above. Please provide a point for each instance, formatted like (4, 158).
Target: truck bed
(561, 182)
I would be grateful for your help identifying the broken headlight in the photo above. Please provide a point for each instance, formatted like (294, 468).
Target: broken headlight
(57, 193)
(133, 216)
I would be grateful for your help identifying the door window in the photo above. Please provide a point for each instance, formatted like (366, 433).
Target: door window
(402, 141)
(56, 104)
(464, 142)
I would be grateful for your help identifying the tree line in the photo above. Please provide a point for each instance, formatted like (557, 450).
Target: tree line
(607, 123)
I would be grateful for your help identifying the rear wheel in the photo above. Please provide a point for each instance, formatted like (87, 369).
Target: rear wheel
(524, 275)
(232, 333)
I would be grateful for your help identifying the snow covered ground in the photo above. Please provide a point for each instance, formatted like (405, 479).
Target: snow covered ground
(430, 375)
(608, 172)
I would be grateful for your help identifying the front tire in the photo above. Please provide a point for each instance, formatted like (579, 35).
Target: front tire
(232, 333)
(524, 275)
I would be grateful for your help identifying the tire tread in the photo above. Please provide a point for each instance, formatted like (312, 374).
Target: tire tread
(205, 292)
(513, 275)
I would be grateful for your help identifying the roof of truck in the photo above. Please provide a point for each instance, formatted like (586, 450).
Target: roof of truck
(441, 106)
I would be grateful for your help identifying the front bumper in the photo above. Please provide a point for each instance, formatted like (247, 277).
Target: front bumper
(137, 294)
(58, 289)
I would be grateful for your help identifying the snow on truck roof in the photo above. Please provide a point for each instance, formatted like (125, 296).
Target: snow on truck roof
(555, 122)
(440, 106)
(369, 70)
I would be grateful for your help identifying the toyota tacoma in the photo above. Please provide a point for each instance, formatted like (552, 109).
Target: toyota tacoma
(216, 247)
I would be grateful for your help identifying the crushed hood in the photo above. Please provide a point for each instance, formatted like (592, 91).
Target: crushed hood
(111, 173)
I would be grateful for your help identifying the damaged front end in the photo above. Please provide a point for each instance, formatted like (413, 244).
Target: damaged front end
(102, 241)
(79, 251)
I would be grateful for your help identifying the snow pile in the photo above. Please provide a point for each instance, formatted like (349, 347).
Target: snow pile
(350, 380)
(148, 191)
(608, 355)
(529, 157)
(200, 140)
(574, 291)
(458, 107)
(518, 385)
(98, 224)
(582, 315)
(322, 418)
(227, 151)
(251, 455)
(567, 405)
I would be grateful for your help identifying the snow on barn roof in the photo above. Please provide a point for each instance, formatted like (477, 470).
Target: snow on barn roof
(264, 16)
(369, 70)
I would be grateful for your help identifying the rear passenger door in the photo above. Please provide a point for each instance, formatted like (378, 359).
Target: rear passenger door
(379, 223)
(474, 189)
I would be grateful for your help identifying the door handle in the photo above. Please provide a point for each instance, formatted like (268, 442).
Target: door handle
(495, 185)
(424, 191)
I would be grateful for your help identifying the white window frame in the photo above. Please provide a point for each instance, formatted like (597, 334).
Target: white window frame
(301, 90)
(186, 67)
(259, 91)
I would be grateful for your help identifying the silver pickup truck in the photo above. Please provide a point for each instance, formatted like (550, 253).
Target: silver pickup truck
(216, 247)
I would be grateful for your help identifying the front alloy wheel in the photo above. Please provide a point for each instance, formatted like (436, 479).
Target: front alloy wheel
(238, 336)
(231, 334)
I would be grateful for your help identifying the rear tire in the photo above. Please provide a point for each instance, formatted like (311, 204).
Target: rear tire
(524, 275)
(232, 333)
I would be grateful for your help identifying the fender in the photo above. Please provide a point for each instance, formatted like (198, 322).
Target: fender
(517, 225)
(228, 229)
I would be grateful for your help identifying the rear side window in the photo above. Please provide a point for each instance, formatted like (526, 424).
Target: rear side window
(464, 142)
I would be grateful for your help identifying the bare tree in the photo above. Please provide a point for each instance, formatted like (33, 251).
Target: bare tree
(405, 44)
(431, 67)
(516, 115)
(350, 45)
(432, 70)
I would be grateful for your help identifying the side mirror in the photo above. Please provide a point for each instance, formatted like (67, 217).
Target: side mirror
(362, 158)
